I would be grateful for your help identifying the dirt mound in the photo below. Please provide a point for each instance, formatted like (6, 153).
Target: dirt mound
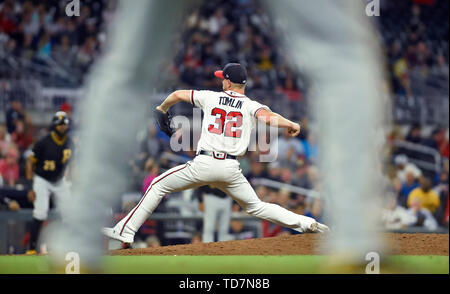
(304, 244)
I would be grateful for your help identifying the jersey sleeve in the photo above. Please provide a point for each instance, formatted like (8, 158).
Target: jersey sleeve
(36, 151)
(199, 97)
(254, 106)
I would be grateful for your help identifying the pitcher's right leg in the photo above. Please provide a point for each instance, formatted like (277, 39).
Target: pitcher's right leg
(241, 191)
(176, 179)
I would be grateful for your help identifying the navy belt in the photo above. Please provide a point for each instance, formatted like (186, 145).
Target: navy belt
(217, 155)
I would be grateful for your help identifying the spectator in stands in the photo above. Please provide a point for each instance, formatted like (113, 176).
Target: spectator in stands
(274, 171)
(414, 135)
(395, 217)
(265, 62)
(30, 19)
(314, 209)
(14, 114)
(407, 186)
(152, 168)
(64, 52)
(217, 21)
(189, 74)
(270, 229)
(427, 197)
(311, 148)
(286, 176)
(22, 136)
(423, 217)
(9, 167)
(262, 192)
(402, 165)
(441, 189)
(10, 49)
(441, 69)
(395, 134)
(284, 198)
(151, 146)
(444, 146)
(86, 54)
(289, 150)
(44, 46)
(291, 91)
(436, 138)
(28, 48)
(196, 238)
(240, 231)
(301, 177)
(445, 220)
(313, 178)
(67, 108)
(401, 81)
(257, 170)
(7, 18)
(4, 141)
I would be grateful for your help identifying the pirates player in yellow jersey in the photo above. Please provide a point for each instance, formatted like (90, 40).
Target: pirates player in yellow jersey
(45, 170)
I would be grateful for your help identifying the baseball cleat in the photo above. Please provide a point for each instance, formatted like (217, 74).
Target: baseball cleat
(113, 234)
(321, 228)
(317, 227)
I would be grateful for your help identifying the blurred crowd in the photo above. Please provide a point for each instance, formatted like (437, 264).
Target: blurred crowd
(219, 32)
(415, 35)
(417, 192)
(16, 136)
(222, 31)
(42, 33)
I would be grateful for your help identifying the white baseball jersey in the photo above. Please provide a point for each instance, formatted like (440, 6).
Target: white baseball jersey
(229, 118)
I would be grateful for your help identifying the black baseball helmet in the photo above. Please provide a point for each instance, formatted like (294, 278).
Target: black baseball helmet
(60, 118)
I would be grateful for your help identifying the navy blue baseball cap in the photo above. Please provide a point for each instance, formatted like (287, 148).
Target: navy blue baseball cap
(234, 72)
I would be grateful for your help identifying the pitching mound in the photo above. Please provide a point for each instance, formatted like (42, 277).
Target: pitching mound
(306, 244)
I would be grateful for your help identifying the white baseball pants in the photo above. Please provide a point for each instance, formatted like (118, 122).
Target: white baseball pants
(217, 211)
(223, 174)
(43, 189)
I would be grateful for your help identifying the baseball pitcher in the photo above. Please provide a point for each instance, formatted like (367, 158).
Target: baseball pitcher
(229, 118)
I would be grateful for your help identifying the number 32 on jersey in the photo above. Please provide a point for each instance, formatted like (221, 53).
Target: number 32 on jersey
(227, 123)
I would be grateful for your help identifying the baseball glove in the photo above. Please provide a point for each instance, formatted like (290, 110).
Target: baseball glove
(163, 120)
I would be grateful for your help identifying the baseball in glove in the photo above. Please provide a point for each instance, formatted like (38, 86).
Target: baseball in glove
(163, 120)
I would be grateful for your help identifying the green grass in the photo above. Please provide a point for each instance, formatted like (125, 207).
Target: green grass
(293, 264)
